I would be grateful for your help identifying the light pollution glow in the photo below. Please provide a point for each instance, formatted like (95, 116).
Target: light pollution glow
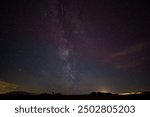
(6, 87)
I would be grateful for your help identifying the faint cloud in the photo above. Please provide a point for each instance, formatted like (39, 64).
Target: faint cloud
(132, 49)
(129, 58)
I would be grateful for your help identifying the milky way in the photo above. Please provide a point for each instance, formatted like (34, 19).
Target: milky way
(68, 32)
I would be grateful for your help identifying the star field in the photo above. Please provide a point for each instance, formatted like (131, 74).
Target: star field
(74, 46)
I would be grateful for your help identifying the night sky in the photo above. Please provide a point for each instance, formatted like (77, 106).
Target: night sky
(74, 46)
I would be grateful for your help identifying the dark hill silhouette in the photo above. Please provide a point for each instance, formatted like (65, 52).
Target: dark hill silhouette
(21, 95)
(16, 93)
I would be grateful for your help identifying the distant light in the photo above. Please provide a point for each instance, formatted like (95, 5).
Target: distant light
(104, 90)
(131, 93)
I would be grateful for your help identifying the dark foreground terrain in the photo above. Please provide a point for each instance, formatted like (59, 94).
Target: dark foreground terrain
(92, 96)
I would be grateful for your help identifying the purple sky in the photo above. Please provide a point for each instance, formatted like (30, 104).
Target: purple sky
(74, 46)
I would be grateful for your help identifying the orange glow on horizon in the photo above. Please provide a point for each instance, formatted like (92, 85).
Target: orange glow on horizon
(6, 87)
